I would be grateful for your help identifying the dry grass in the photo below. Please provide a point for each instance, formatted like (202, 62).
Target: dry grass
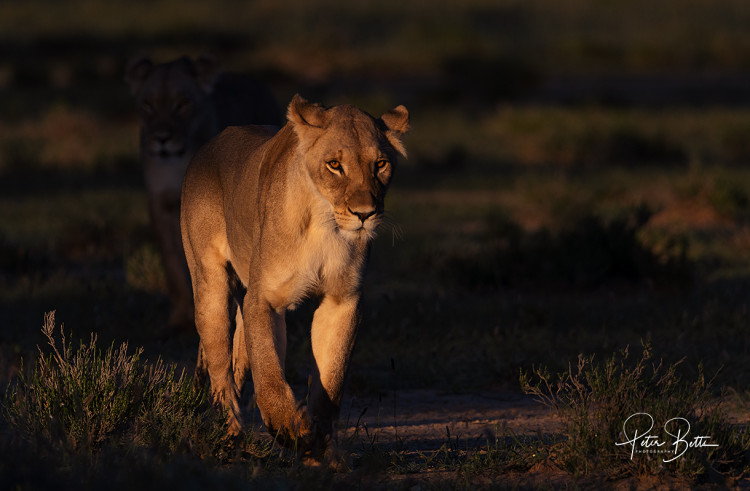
(597, 399)
(65, 139)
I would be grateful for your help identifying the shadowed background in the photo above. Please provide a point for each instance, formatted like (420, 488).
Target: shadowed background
(577, 180)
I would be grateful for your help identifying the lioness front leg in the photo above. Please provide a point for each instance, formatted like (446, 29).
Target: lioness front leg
(334, 330)
(165, 218)
(265, 332)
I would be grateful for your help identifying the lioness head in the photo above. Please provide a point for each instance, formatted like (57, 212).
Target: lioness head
(350, 158)
(174, 104)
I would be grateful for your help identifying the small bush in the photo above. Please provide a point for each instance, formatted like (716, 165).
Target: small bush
(595, 400)
(78, 400)
(144, 270)
(729, 198)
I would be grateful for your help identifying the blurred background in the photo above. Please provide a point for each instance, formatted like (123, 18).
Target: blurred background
(578, 175)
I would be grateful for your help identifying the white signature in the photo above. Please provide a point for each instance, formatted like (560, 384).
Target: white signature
(680, 428)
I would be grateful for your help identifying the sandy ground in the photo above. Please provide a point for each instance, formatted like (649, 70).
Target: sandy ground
(424, 420)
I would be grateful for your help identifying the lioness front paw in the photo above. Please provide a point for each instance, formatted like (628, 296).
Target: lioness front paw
(228, 399)
(324, 452)
(296, 432)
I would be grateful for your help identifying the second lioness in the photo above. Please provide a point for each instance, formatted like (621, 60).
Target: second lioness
(270, 219)
(182, 104)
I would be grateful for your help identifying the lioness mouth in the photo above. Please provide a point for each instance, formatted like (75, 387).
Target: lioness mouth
(164, 154)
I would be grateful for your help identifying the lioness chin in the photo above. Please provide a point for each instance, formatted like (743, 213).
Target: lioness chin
(269, 219)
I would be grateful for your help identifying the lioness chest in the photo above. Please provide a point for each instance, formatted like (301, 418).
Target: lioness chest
(319, 261)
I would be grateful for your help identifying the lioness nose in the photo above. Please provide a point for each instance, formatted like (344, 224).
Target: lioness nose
(362, 213)
(163, 135)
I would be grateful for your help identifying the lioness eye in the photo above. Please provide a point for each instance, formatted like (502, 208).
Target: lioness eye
(183, 105)
(382, 163)
(334, 165)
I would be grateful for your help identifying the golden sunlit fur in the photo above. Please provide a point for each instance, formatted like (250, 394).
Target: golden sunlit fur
(269, 219)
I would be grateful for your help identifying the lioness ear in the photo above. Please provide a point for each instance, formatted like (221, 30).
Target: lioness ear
(207, 69)
(306, 117)
(137, 72)
(301, 112)
(397, 123)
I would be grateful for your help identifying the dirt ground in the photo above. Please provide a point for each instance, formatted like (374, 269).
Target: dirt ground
(417, 423)
(420, 422)
(426, 419)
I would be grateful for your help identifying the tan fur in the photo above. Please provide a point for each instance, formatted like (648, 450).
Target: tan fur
(292, 214)
(182, 104)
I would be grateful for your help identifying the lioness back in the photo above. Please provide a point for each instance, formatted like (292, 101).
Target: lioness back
(204, 188)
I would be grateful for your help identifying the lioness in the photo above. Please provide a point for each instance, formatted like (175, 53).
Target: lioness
(268, 219)
(182, 104)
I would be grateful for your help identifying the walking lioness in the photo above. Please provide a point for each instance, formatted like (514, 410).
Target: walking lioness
(268, 219)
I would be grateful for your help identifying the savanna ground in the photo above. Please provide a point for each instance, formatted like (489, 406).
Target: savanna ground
(578, 184)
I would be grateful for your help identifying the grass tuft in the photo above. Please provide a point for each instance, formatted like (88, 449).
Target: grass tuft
(595, 400)
(144, 270)
(79, 400)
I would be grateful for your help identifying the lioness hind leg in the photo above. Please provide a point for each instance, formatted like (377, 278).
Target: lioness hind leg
(212, 322)
(240, 359)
